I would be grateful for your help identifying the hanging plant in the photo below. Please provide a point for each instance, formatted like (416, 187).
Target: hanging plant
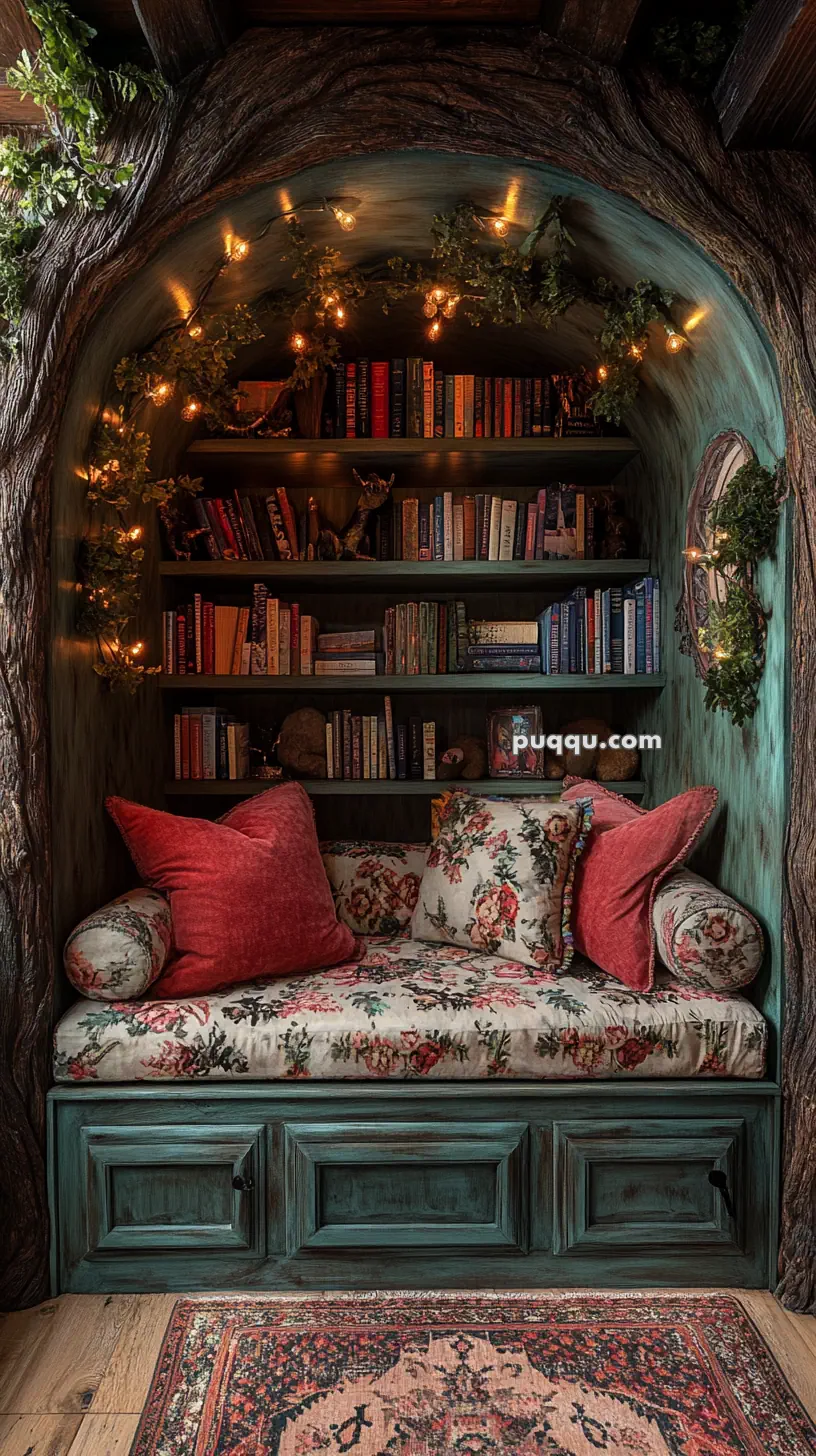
(68, 165)
(742, 527)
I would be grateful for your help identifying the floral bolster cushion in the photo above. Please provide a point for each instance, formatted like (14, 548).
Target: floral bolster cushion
(703, 936)
(120, 950)
(375, 884)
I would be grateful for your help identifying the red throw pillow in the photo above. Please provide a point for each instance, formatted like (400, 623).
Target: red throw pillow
(627, 856)
(249, 895)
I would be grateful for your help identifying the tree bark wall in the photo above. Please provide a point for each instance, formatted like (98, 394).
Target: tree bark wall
(281, 101)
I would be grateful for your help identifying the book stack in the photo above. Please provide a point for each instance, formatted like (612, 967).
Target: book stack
(503, 647)
(270, 637)
(209, 745)
(348, 654)
(411, 398)
(559, 524)
(617, 630)
(425, 637)
(248, 527)
(371, 746)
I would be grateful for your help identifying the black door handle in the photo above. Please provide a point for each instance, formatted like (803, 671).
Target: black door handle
(718, 1180)
(241, 1184)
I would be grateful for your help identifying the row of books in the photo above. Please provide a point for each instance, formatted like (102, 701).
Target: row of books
(271, 637)
(248, 526)
(208, 744)
(425, 637)
(617, 630)
(558, 525)
(383, 399)
(373, 746)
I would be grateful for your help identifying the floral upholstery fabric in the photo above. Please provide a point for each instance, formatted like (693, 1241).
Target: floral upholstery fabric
(499, 878)
(408, 1010)
(703, 936)
(374, 884)
(120, 950)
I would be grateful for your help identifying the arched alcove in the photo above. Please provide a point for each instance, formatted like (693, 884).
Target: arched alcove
(725, 379)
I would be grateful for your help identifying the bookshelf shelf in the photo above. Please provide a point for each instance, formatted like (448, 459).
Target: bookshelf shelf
(515, 788)
(526, 683)
(431, 461)
(419, 575)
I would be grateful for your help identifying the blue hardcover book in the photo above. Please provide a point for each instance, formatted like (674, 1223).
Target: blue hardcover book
(555, 637)
(616, 629)
(544, 625)
(656, 623)
(578, 630)
(438, 528)
(639, 594)
(450, 405)
(649, 582)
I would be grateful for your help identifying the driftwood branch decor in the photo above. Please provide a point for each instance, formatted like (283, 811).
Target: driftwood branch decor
(284, 100)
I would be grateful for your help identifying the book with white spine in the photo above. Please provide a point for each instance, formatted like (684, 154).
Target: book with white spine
(494, 532)
(507, 529)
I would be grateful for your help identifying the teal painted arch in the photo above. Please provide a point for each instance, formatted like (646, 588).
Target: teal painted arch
(726, 379)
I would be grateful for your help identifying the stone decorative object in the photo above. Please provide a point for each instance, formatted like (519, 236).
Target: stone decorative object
(301, 745)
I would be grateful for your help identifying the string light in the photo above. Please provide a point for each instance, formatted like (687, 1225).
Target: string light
(720, 654)
(603, 373)
(435, 330)
(636, 351)
(135, 533)
(500, 226)
(347, 220)
(136, 649)
(238, 250)
(439, 294)
(161, 392)
(330, 300)
(430, 307)
(449, 306)
(340, 315)
(298, 343)
(195, 331)
(692, 553)
(191, 409)
(674, 341)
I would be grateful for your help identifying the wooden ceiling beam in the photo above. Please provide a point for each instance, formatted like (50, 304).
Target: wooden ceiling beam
(390, 12)
(184, 34)
(596, 28)
(766, 96)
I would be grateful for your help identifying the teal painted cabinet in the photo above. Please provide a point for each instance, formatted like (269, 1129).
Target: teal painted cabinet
(457, 1185)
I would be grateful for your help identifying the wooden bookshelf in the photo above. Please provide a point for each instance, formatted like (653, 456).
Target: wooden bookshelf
(502, 464)
(510, 788)
(422, 576)
(527, 683)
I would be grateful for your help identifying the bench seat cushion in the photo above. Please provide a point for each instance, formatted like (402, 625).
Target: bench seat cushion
(408, 1010)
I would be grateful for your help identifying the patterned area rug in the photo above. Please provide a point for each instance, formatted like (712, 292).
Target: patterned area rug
(470, 1374)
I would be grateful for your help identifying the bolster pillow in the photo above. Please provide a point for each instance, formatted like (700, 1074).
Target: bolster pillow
(120, 950)
(703, 936)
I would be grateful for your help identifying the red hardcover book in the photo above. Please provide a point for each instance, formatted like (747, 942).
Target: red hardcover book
(590, 634)
(488, 407)
(379, 400)
(196, 747)
(507, 417)
(498, 407)
(351, 401)
(185, 743)
(181, 642)
(289, 522)
(198, 629)
(518, 409)
(232, 552)
(208, 638)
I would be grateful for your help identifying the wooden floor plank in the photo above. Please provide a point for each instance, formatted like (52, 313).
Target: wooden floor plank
(52, 1358)
(105, 1436)
(38, 1435)
(789, 1346)
(125, 1383)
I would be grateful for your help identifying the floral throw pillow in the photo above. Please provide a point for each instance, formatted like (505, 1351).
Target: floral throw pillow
(499, 877)
(120, 950)
(374, 884)
(705, 937)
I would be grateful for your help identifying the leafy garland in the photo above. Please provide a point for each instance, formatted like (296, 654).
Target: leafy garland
(69, 165)
(503, 285)
(743, 525)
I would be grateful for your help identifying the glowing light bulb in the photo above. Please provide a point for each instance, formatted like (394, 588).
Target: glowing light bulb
(439, 294)
(195, 331)
(239, 249)
(692, 553)
(429, 307)
(298, 343)
(329, 300)
(435, 330)
(191, 409)
(675, 342)
(449, 306)
(135, 533)
(635, 351)
(347, 220)
(136, 649)
(603, 373)
(500, 226)
(340, 315)
(161, 393)
(720, 654)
